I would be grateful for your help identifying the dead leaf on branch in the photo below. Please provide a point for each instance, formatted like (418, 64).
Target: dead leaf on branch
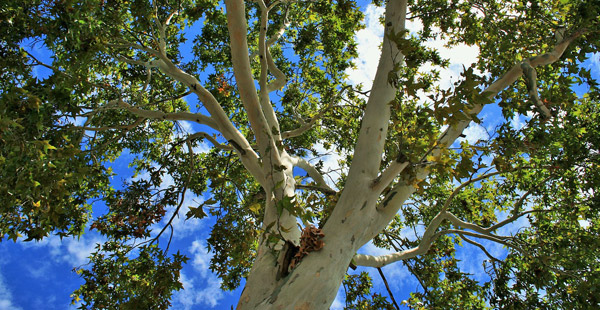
(310, 241)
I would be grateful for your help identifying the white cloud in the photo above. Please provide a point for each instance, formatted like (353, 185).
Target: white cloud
(517, 122)
(208, 296)
(584, 223)
(186, 129)
(371, 249)
(470, 260)
(201, 260)
(368, 40)
(78, 251)
(191, 297)
(368, 46)
(181, 227)
(473, 133)
(397, 274)
(6, 301)
(73, 251)
(460, 56)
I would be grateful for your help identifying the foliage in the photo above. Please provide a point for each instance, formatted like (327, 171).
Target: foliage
(358, 293)
(116, 281)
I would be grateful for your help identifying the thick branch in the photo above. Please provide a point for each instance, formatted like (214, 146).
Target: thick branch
(280, 78)
(429, 237)
(531, 81)
(374, 128)
(237, 26)
(403, 190)
(223, 123)
(277, 35)
(174, 116)
(507, 79)
(467, 225)
(263, 51)
(388, 175)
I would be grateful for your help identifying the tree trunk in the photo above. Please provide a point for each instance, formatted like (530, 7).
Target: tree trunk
(314, 282)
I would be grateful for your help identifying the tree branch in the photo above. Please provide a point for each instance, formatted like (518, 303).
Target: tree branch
(237, 26)
(263, 52)
(176, 212)
(277, 35)
(387, 287)
(308, 125)
(531, 81)
(467, 225)
(403, 190)
(175, 116)
(479, 245)
(127, 127)
(125, 44)
(463, 185)
(490, 237)
(428, 238)
(220, 119)
(388, 176)
(280, 78)
(512, 219)
(317, 188)
(312, 172)
(215, 143)
(374, 127)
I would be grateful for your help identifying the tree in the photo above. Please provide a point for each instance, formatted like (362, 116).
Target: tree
(269, 80)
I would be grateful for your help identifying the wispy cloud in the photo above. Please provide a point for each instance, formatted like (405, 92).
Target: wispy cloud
(368, 40)
(398, 276)
(203, 287)
(70, 250)
(6, 299)
(339, 301)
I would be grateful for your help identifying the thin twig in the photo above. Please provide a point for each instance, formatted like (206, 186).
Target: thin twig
(387, 287)
(181, 201)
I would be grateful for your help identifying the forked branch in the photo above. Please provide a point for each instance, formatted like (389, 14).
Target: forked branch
(402, 191)
(430, 235)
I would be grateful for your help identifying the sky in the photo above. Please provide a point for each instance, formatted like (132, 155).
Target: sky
(38, 275)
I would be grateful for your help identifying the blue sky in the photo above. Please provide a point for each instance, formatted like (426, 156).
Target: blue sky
(38, 275)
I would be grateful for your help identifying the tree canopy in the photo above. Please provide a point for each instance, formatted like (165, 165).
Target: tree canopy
(265, 85)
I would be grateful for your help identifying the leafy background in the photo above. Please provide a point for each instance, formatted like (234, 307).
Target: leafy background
(36, 275)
